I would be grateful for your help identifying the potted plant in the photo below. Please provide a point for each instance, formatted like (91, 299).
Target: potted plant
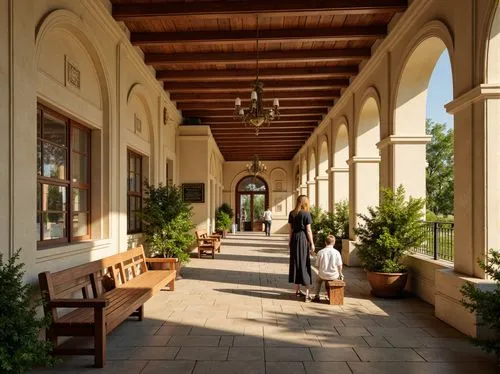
(20, 346)
(388, 233)
(222, 222)
(167, 224)
(486, 304)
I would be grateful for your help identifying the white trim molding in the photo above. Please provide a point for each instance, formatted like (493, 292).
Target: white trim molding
(364, 160)
(478, 93)
(404, 139)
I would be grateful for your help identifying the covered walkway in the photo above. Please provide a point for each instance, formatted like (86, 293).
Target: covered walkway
(237, 314)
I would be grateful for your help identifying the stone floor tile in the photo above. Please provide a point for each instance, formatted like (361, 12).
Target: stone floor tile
(377, 342)
(170, 367)
(444, 331)
(353, 331)
(226, 341)
(359, 322)
(173, 330)
(246, 354)
(194, 341)
(327, 368)
(387, 354)
(285, 368)
(420, 368)
(450, 355)
(342, 341)
(248, 341)
(229, 367)
(139, 341)
(397, 331)
(203, 353)
(288, 354)
(334, 354)
(154, 353)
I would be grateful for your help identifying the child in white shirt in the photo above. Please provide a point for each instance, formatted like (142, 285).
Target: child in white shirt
(329, 264)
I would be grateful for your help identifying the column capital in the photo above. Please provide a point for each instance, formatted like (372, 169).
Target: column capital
(338, 170)
(478, 93)
(310, 182)
(404, 139)
(363, 160)
(321, 178)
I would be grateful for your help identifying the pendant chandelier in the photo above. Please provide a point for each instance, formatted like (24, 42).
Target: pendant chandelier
(256, 166)
(256, 115)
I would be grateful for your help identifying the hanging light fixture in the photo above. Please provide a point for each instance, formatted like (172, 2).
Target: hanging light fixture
(256, 166)
(256, 115)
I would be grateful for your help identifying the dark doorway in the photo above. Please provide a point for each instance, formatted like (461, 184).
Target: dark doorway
(252, 199)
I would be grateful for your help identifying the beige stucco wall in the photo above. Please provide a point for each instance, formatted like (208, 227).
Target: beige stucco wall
(279, 181)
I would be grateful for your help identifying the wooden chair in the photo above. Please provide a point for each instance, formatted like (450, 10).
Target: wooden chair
(96, 311)
(207, 244)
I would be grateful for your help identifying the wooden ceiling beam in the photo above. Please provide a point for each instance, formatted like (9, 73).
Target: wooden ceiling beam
(283, 122)
(229, 113)
(194, 95)
(292, 104)
(327, 34)
(228, 9)
(249, 74)
(303, 119)
(281, 57)
(243, 87)
(281, 126)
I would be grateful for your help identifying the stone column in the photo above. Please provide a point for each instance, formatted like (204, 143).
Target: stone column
(363, 192)
(311, 193)
(322, 191)
(403, 160)
(303, 189)
(477, 202)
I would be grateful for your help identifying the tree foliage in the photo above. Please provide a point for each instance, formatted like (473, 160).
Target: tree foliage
(167, 222)
(334, 223)
(439, 173)
(20, 347)
(486, 304)
(390, 231)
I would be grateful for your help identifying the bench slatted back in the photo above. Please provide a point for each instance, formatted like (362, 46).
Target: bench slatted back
(86, 279)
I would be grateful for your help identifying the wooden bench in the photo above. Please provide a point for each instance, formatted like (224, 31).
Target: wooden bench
(96, 312)
(335, 290)
(207, 244)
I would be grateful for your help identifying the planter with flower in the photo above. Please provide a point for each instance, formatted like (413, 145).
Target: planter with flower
(167, 225)
(389, 232)
(223, 219)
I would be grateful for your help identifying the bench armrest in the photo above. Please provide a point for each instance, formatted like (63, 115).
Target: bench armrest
(163, 260)
(208, 240)
(78, 303)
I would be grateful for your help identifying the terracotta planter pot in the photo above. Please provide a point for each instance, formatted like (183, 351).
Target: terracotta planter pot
(167, 266)
(390, 285)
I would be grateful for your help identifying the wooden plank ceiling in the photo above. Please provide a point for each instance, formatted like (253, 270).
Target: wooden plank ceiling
(204, 52)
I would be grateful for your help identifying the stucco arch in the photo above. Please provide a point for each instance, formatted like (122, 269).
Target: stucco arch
(72, 24)
(341, 146)
(303, 173)
(410, 93)
(368, 125)
(323, 162)
(492, 49)
(311, 169)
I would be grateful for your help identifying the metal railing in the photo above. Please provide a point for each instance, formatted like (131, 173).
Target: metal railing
(439, 241)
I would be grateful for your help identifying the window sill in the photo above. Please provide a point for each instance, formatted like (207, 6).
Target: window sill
(71, 249)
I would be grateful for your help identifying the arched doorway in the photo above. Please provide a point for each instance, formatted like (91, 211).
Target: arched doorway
(252, 198)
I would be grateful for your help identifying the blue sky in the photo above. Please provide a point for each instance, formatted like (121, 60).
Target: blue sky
(440, 91)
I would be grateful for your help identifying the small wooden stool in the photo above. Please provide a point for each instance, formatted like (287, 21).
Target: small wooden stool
(335, 289)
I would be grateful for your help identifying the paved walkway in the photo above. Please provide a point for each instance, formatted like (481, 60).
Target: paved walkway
(237, 314)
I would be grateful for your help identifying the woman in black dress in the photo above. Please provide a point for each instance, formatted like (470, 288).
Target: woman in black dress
(301, 244)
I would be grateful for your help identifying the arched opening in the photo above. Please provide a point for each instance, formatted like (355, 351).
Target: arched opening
(303, 173)
(322, 178)
(311, 179)
(340, 167)
(252, 199)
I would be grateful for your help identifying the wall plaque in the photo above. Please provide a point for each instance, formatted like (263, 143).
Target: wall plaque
(193, 192)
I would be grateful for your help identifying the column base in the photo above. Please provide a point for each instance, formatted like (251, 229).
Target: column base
(448, 307)
(350, 253)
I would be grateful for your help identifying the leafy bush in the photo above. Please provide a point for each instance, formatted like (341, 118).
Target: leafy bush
(222, 221)
(20, 347)
(167, 222)
(226, 208)
(330, 223)
(432, 217)
(486, 304)
(390, 231)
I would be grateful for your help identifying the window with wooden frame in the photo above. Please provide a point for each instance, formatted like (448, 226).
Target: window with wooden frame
(134, 192)
(63, 179)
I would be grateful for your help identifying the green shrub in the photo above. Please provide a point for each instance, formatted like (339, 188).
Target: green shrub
(330, 223)
(226, 208)
(390, 231)
(432, 217)
(486, 304)
(222, 221)
(20, 347)
(167, 222)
